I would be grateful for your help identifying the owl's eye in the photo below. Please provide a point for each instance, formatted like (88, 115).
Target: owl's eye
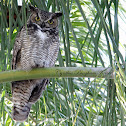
(50, 22)
(37, 18)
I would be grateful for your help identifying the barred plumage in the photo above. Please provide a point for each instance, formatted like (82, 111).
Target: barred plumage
(36, 45)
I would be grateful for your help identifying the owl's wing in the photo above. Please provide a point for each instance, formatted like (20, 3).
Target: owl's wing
(37, 91)
(16, 51)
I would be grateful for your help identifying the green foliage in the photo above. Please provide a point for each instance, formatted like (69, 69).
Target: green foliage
(89, 37)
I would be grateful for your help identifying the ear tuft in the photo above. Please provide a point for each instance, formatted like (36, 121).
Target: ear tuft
(32, 8)
(58, 14)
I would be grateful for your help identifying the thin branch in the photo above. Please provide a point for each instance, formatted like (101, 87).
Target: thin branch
(55, 72)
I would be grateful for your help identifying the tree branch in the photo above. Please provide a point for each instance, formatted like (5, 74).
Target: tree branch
(55, 72)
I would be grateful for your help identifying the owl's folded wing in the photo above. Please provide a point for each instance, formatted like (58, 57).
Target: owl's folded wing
(16, 52)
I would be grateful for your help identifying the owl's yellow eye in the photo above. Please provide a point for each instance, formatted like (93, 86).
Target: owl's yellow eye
(50, 22)
(37, 19)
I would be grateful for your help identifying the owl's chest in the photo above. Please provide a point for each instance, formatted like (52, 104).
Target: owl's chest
(36, 42)
(41, 37)
(39, 49)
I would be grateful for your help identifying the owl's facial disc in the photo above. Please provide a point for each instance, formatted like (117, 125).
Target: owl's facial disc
(46, 20)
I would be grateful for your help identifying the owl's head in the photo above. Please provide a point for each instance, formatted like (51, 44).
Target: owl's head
(43, 18)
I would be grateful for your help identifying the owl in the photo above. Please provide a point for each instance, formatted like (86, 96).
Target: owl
(36, 46)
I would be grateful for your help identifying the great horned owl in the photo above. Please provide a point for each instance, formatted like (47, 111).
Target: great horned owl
(36, 46)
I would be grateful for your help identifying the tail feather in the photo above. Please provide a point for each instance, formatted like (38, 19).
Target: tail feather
(20, 113)
(24, 94)
(21, 91)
